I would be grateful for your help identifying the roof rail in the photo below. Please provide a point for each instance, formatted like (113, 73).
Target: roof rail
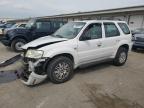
(111, 18)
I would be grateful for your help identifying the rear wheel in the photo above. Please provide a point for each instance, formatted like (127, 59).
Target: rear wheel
(60, 69)
(17, 44)
(121, 56)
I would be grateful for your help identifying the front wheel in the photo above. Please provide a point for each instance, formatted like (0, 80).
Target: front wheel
(60, 69)
(17, 44)
(121, 56)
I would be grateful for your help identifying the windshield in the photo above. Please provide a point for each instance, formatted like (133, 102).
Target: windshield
(69, 30)
(30, 23)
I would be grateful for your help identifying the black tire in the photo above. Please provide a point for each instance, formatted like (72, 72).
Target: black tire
(121, 52)
(15, 43)
(53, 66)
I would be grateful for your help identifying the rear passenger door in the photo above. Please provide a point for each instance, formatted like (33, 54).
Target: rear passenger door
(112, 38)
(43, 28)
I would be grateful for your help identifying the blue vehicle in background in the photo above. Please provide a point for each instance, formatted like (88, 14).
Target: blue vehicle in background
(35, 28)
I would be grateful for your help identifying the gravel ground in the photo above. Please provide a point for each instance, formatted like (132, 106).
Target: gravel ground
(99, 86)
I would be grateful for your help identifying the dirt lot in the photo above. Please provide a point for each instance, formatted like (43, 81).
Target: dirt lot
(99, 86)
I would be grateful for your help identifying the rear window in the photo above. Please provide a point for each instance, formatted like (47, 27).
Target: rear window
(124, 28)
(111, 30)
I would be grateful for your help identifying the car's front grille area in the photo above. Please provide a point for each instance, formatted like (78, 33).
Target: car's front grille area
(25, 74)
(26, 59)
(40, 69)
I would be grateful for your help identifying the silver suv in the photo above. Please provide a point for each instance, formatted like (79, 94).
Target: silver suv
(73, 45)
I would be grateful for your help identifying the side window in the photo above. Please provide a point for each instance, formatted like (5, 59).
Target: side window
(124, 28)
(57, 25)
(93, 31)
(22, 25)
(43, 26)
(111, 30)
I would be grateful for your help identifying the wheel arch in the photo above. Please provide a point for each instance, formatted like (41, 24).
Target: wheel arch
(122, 45)
(70, 56)
(116, 61)
(19, 37)
(125, 46)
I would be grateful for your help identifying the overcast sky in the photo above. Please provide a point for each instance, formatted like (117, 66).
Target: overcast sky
(30, 8)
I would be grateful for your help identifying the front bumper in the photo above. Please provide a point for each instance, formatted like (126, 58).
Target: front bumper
(33, 79)
(33, 72)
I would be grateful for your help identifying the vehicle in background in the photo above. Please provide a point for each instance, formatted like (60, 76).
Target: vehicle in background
(1, 29)
(5, 26)
(35, 28)
(138, 38)
(18, 25)
(76, 44)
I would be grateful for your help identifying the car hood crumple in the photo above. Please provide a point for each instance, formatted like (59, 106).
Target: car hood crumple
(43, 41)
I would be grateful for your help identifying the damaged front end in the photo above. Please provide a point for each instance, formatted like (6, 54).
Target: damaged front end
(34, 70)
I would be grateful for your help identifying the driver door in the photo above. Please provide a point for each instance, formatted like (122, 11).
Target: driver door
(90, 45)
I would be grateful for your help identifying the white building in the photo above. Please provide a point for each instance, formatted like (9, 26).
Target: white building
(133, 15)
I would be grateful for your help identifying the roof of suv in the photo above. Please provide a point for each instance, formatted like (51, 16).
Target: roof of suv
(44, 19)
(93, 21)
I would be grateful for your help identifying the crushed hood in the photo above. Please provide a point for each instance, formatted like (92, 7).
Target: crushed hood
(43, 41)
